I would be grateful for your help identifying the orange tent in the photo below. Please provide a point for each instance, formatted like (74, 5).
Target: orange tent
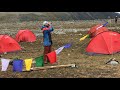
(104, 43)
(97, 30)
(8, 44)
(25, 36)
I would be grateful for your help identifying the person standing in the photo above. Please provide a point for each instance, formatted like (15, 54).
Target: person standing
(116, 19)
(47, 28)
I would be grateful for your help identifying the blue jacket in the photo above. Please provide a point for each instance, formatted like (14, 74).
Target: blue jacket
(47, 40)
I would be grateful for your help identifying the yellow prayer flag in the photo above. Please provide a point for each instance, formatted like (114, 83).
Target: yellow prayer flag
(83, 38)
(28, 64)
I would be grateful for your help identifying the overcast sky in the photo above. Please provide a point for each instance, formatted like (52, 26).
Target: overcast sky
(118, 12)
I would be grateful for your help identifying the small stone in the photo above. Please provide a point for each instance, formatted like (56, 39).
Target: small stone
(80, 34)
(68, 54)
(113, 62)
(5, 52)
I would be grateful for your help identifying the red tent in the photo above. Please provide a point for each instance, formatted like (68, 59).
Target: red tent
(104, 43)
(97, 30)
(25, 36)
(8, 44)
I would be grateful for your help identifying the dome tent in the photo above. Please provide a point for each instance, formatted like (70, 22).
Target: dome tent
(97, 30)
(103, 41)
(8, 44)
(25, 36)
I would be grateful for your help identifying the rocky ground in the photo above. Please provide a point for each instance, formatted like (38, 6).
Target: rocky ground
(87, 66)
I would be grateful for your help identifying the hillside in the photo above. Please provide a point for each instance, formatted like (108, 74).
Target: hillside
(35, 16)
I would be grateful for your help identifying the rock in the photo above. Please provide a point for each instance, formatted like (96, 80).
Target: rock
(80, 34)
(112, 62)
(68, 54)
(5, 52)
(73, 65)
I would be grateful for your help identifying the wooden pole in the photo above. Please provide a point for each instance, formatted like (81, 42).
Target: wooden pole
(51, 67)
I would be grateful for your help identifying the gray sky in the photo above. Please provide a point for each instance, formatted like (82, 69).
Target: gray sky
(118, 12)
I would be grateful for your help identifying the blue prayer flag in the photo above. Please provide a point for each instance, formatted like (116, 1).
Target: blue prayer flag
(17, 65)
(67, 45)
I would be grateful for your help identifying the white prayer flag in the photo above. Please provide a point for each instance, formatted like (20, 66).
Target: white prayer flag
(99, 27)
(5, 63)
(59, 50)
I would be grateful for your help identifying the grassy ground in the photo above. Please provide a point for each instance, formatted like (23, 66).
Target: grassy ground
(87, 66)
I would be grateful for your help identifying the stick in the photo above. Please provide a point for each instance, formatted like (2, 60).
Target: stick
(51, 67)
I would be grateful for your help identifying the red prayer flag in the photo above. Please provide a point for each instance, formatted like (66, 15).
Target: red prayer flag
(52, 57)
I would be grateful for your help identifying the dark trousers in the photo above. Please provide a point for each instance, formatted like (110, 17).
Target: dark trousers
(115, 21)
(47, 49)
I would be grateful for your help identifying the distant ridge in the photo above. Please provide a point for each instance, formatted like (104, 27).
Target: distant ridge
(35, 16)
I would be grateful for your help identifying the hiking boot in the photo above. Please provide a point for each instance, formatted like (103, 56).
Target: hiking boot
(45, 62)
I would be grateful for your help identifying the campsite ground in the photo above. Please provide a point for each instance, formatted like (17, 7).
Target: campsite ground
(65, 32)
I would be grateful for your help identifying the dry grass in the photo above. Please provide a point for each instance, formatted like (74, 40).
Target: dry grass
(87, 66)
